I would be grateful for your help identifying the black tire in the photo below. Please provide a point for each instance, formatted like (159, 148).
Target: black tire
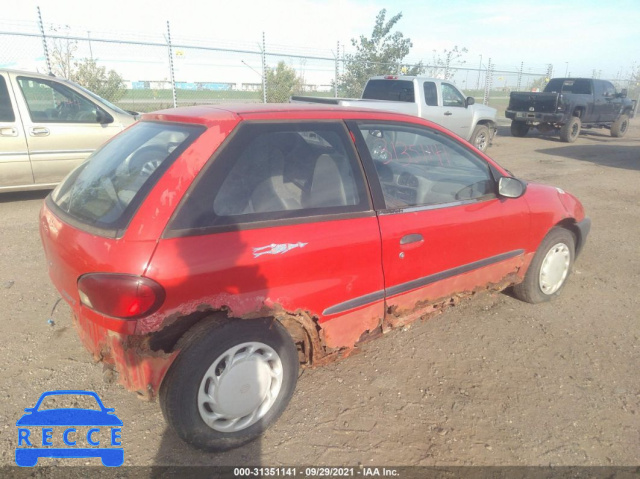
(620, 126)
(519, 128)
(570, 130)
(481, 137)
(179, 392)
(560, 243)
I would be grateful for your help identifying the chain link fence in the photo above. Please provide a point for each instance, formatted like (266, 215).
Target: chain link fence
(146, 73)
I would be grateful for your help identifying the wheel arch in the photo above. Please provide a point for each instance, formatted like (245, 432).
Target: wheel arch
(300, 327)
(570, 225)
(579, 111)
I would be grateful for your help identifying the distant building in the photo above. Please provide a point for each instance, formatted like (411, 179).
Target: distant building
(166, 85)
(251, 86)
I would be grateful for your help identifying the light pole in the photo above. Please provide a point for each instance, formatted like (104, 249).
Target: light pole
(479, 71)
(566, 70)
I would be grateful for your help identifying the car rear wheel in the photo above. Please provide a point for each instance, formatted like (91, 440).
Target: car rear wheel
(519, 128)
(620, 126)
(570, 130)
(230, 383)
(549, 269)
(481, 137)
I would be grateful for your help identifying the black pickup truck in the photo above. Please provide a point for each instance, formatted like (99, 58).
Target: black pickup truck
(569, 104)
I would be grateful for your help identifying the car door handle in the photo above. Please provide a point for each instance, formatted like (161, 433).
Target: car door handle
(8, 132)
(39, 131)
(447, 113)
(412, 238)
(410, 241)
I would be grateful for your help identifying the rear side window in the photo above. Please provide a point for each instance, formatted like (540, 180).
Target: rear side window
(276, 171)
(106, 189)
(6, 111)
(430, 93)
(391, 90)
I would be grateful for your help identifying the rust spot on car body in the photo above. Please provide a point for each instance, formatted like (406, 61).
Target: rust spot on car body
(142, 360)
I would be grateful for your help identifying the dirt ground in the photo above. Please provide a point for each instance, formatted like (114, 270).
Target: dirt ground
(493, 381)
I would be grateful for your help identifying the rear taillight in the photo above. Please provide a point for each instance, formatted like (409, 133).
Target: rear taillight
(123, 296)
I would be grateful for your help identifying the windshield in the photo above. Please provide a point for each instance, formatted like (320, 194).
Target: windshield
(391, 90)
(105, 190)
(100, 99)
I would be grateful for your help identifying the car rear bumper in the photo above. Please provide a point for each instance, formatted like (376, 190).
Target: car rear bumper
(534, 116)
(138, 367)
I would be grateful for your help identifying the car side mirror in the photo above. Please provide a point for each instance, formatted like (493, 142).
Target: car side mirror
(470, 101)
(103, 117)
(509, 187)
(623, 93)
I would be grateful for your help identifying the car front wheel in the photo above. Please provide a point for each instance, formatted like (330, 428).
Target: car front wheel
(481, 137)
(620, 126)
(549, 269)
(230, 383)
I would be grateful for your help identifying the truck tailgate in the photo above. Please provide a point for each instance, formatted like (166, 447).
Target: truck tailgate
(535, 101)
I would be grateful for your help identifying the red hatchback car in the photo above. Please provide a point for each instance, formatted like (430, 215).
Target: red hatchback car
(208, 252)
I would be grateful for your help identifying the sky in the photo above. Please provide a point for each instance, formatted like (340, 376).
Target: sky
(576, 37)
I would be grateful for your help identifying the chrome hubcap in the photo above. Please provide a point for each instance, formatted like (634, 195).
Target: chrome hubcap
(240, 387)
(555, 268)
(481, 141)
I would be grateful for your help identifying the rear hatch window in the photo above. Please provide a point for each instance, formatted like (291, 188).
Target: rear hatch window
(103, 193)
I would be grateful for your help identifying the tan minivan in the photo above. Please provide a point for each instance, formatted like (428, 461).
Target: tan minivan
(49, 125)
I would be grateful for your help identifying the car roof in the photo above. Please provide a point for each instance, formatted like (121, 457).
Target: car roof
(407, 78)
(30, 73)
(208, 114)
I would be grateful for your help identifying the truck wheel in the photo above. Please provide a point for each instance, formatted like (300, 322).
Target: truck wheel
(229, 383)
(570, 130)
(519, 128)
(549, 268)
(481, 137)
(620, 126)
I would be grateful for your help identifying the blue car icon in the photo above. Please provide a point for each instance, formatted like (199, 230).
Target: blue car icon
(70, 417)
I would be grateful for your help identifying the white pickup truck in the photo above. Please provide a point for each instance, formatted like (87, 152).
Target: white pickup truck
(429, 98)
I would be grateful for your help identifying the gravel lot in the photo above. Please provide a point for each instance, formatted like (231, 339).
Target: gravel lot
(493, 381)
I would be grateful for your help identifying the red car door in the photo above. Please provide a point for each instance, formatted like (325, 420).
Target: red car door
(279, 222)
(444, 229)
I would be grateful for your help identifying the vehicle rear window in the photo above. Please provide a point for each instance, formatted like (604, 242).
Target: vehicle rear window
(392, 90)
(577, 86)
(105, 190)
